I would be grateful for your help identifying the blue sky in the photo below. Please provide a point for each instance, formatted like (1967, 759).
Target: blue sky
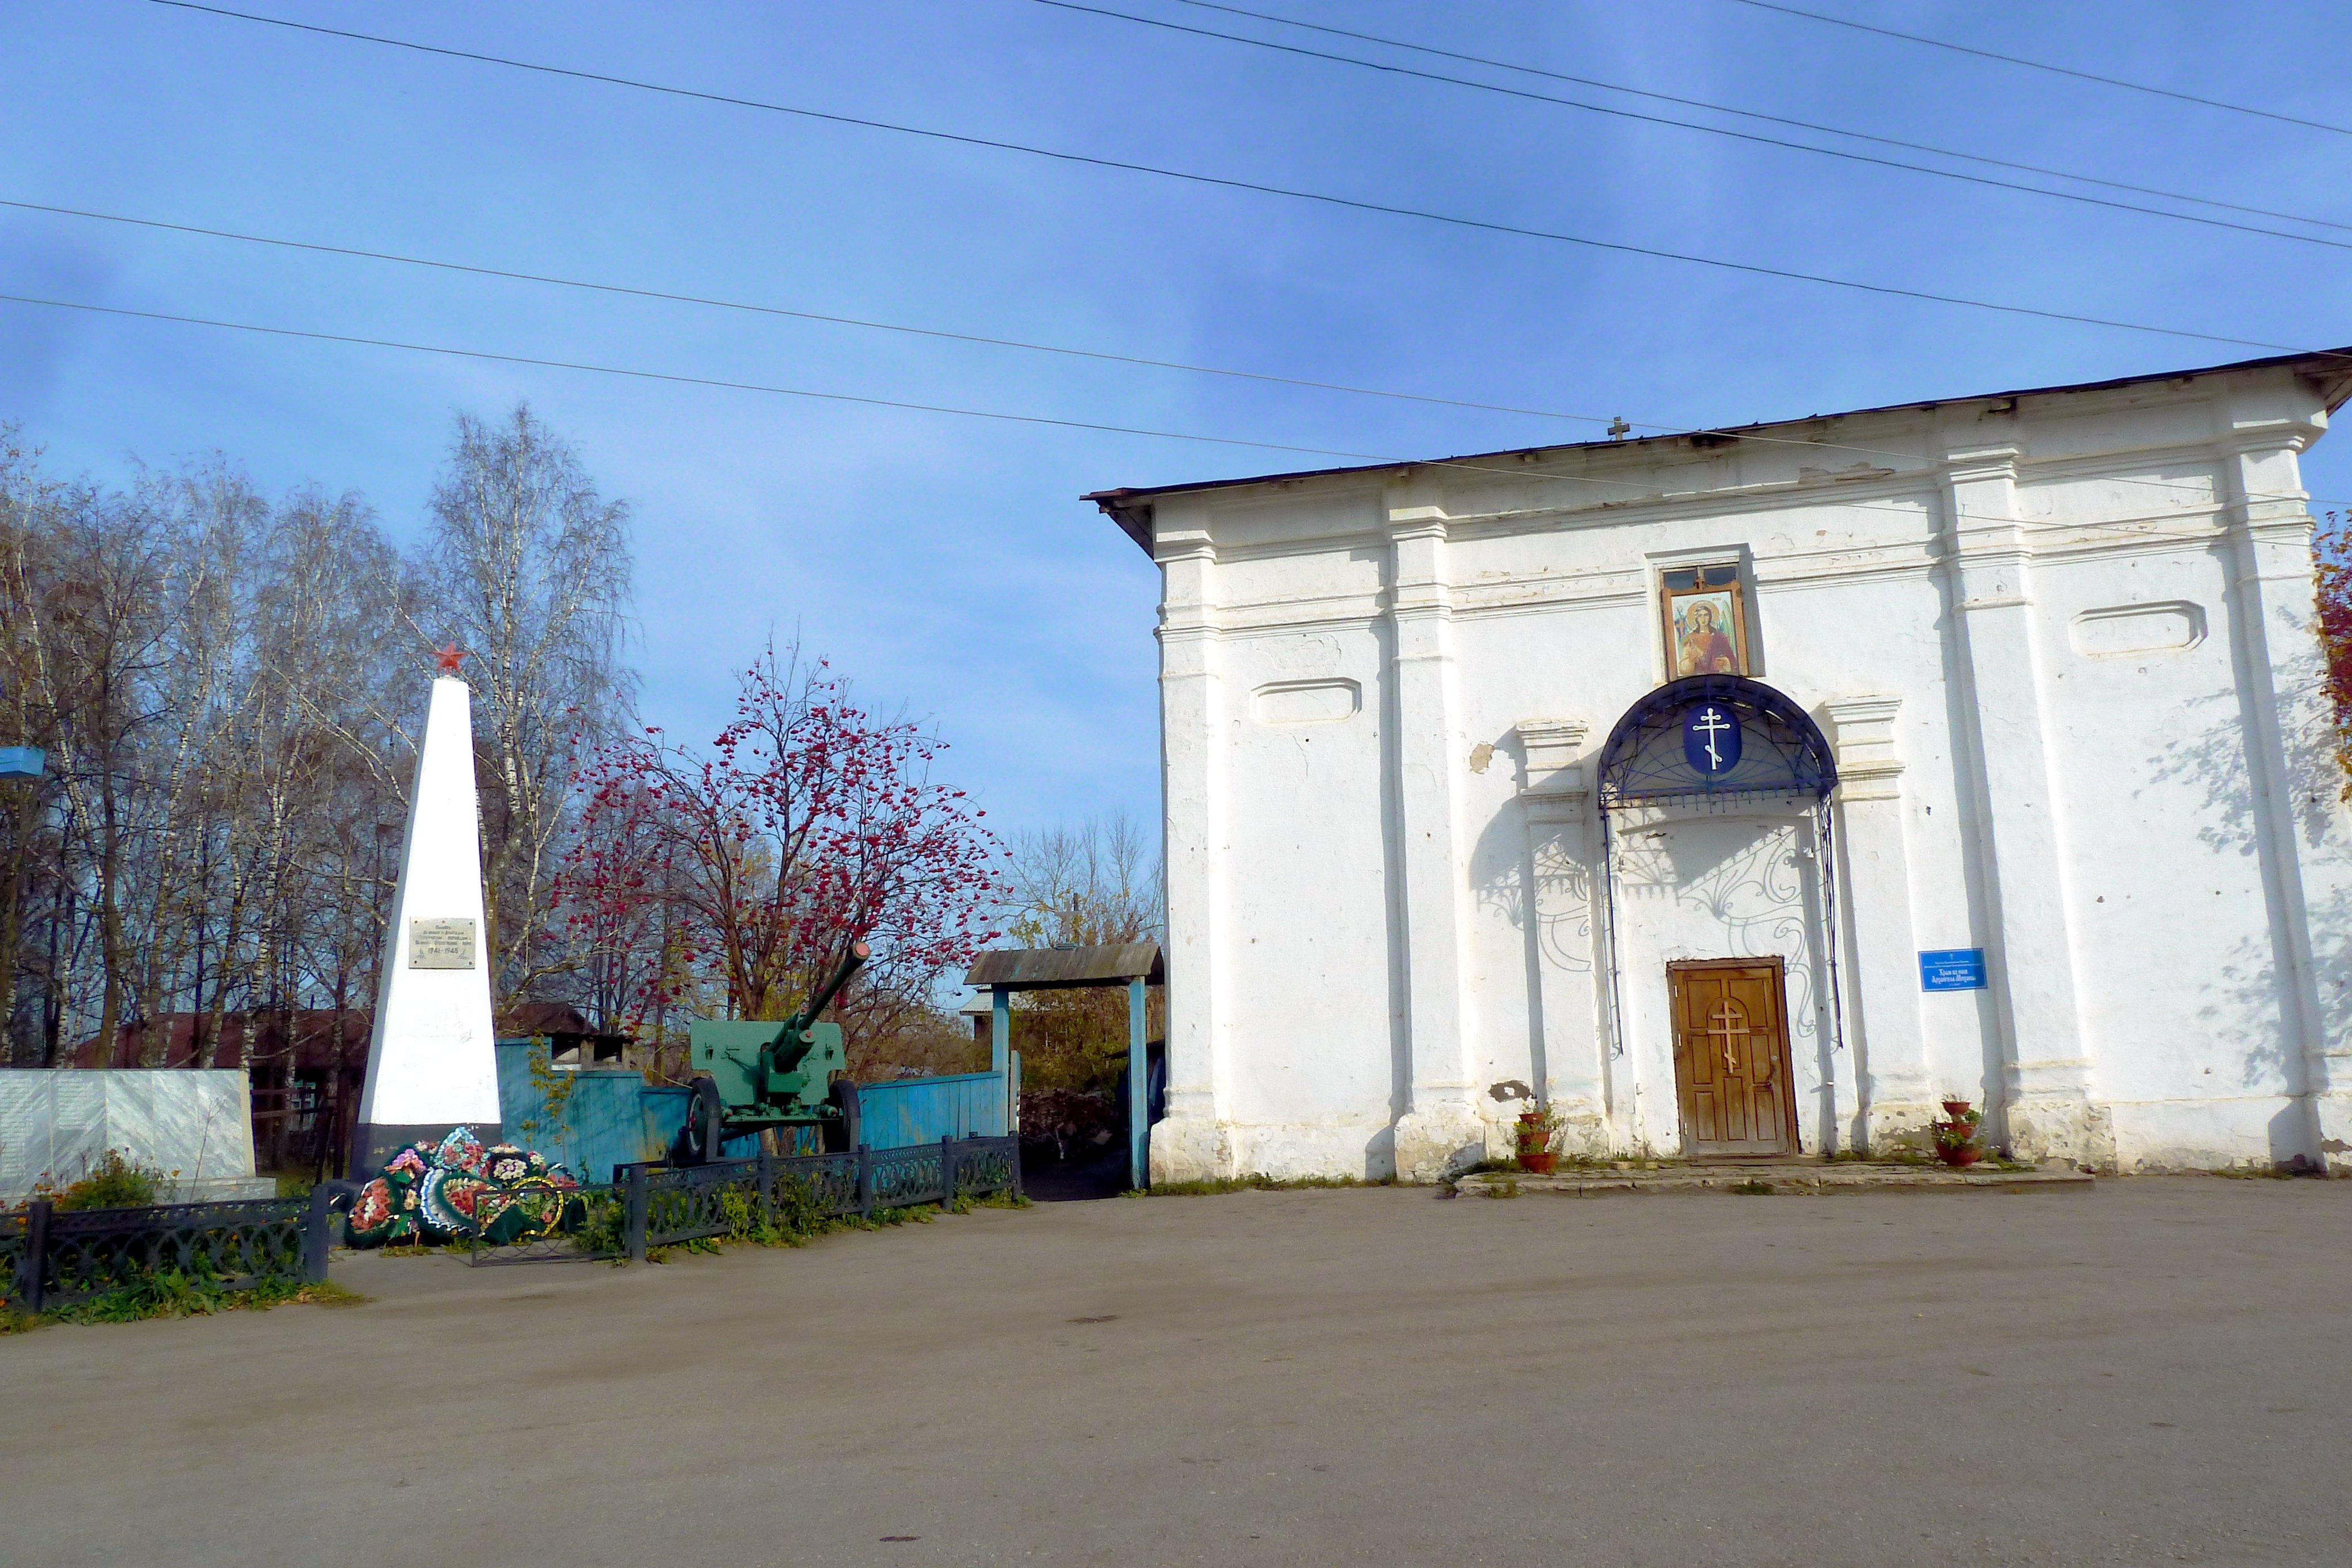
(946, 563)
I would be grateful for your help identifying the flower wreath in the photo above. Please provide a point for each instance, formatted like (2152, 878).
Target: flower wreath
(458, 1189)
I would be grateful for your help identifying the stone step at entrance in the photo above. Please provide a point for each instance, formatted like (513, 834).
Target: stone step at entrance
(1780, 1176)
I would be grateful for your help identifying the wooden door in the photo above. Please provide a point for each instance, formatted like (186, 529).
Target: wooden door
(1731, 1057)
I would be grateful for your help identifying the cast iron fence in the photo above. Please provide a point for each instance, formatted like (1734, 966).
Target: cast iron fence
(589, 1225)
(667, 1206)
(54, 1257)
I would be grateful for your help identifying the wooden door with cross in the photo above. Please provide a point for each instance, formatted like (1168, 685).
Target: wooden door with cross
(1731, 1057)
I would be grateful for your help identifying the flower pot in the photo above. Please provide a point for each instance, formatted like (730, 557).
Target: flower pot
(1541, 1165)
(1956, 1108)
(1966, 1155)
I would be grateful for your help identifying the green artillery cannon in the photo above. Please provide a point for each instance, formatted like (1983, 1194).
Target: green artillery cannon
(754, 1075)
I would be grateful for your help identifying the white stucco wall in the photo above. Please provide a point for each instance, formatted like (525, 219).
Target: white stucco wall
(2060, 643)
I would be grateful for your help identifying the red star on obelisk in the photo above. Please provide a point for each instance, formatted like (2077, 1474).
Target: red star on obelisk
(450, 659)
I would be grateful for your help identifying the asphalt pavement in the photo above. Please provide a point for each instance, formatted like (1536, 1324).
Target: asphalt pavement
(2151, 1371)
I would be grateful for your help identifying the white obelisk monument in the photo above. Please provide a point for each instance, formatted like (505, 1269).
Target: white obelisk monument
(431, 1061)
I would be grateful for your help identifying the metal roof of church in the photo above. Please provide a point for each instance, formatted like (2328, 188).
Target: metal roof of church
(1124, 505)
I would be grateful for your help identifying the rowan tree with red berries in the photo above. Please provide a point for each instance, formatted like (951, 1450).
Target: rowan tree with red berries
(2331, 551)
(734, 880)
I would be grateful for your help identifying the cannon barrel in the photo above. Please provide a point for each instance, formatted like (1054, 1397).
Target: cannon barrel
(851, 963)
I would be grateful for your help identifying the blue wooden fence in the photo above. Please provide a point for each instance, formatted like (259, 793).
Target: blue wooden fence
(613, 1116)
(907, 1111)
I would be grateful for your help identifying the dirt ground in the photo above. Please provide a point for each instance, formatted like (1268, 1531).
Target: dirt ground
(2150, 1371)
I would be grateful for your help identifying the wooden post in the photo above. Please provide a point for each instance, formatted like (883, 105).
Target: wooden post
(1139, 1092)
(1000, 1026)
(1013, 1126)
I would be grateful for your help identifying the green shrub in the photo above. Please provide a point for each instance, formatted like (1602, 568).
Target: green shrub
(116, 1183)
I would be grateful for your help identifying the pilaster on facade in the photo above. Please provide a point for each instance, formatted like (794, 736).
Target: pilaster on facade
(1890, 1041)
(2297, 791)
(1556, 803)
(1442, 1124)
(2049, 1110)
(1192, 1142)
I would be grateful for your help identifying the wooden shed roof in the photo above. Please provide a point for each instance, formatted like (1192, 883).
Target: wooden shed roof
(1067, 968)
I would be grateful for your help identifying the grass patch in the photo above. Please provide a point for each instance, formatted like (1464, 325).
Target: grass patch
(1256, 1182)
(1752, 1189)
(172, 1294)
(797, 1223)
(966, 1204)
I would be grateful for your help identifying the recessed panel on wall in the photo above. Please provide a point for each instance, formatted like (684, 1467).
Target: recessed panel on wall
(1307, 702)
(2122, 631)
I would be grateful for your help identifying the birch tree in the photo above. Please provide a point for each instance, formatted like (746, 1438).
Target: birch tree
(530, 569)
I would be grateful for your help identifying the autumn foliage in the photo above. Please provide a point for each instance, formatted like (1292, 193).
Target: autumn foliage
(728, 882)
(2332, 569)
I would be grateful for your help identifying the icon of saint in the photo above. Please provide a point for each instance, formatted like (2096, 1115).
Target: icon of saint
(1704, 648)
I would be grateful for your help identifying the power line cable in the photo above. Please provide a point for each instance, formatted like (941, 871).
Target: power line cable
(1757, 114)
(670, 297)
(678, 378)
(2046, 66)
(1323, 198)
(713, 302)
(1749, 136)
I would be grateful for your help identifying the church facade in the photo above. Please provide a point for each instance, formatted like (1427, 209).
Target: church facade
(1750, 792)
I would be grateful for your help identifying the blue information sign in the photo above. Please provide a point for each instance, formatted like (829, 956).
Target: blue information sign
(1711, 739)
(1952, 969)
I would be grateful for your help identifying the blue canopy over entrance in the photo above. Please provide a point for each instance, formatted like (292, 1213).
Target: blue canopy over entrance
(1712, 735)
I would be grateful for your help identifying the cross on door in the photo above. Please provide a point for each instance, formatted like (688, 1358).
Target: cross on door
(1724, 1026)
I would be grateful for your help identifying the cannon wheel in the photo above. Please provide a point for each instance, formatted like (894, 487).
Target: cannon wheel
(846, 1132)
(705, 1117)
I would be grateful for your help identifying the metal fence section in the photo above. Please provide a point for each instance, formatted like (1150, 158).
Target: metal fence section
(590, 1223)
(12, 1258)
(664, 1207)
(52, 1258)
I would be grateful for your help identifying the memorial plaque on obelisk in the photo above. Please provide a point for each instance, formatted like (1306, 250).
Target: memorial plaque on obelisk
(432, 1064)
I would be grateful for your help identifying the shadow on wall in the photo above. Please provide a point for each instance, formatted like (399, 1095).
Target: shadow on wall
(2246, 1006)
(1536, 879)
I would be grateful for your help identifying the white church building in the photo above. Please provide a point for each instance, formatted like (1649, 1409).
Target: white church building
(1748, 792)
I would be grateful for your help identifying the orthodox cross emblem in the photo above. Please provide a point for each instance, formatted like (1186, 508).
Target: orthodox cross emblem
(1728, 1026)
(1711, 739)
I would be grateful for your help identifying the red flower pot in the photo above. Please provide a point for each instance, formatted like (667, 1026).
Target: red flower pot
(1541, 1165)
(1966, 1155)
